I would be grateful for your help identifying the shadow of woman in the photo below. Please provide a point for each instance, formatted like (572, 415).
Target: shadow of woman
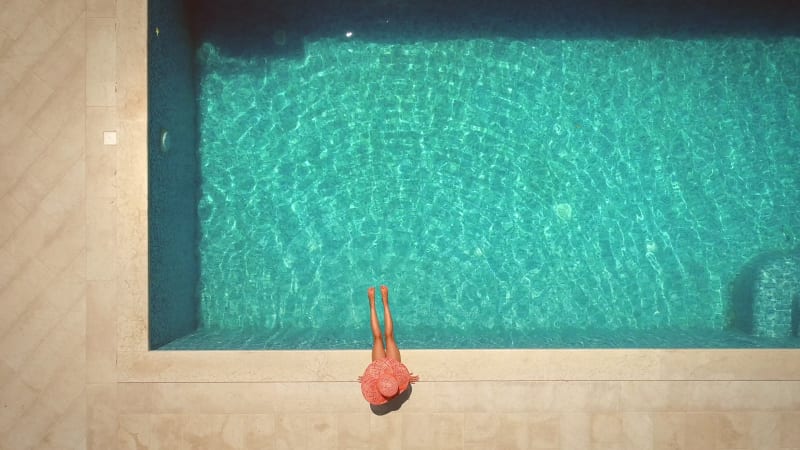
(392, 405)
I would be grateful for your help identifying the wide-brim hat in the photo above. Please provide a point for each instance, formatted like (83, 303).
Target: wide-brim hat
(383, 380)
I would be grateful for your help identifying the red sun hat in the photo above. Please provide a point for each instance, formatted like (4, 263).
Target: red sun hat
(384, 379)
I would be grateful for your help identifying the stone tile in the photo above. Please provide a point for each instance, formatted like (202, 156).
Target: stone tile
(36, 38)
(211, 431)
(15, 69)
(60, 121)
(68, 151)
(67, 243)
(17, 156)
(789, 431)
(30, 328)
(63, 347)
(8, 268)
(386, 431)
(637, 431)
(202, 398)
(29, 96)
(101, 238)
(654, 396)
(789, 393)
(243, 366)
(544, 430)
(101, 8)
(323, 431)
(165, 431)
(13, 216)
(748, 430)
(701, 430)
(603, 364)
(63, 185)
(132, 337)
(132, 202)
(736, 395)
(27, 284)
(132, 60)
(15, 14)
(291, 431)
(606, 428)
(101, 404)
(131, 244)
(30, 428)
(133, 432)
(17, 398)
(58, 346)
(59, 15)
(519, 397)
(512, 431)
(101, 160)
(433, 430)
(132, 163)
(739, 364)
(5, 42)
(449, 396)
(669, 430)
(101, 50)
(69, 429)
(64, 59)
(765, 429)
(101, 332)
(6, 82)
(75, 36)
(46, 222)
(576, 429)
(505, 431)
(588, 396)
(6, 373)
(259, 431)
(481, 430)
(68, 286)
(68, 386)
(353, 431)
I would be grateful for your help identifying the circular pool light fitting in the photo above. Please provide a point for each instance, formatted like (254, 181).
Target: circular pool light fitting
(164, 140)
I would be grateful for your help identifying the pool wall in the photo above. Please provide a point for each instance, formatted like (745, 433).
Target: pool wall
(173, 175)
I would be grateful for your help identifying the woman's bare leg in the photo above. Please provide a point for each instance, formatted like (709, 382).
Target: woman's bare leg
(378, 351)
(391, 346)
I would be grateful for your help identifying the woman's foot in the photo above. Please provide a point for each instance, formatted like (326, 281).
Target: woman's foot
(385, 294)
(371, 295)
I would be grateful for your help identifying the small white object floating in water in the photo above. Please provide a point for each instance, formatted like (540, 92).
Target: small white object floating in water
(564, 211)
(349, 34)
(164, 140)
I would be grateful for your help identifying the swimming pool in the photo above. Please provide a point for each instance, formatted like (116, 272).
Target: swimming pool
(625, 179)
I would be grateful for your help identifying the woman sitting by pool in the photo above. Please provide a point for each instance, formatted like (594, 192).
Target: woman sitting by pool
(386, 377)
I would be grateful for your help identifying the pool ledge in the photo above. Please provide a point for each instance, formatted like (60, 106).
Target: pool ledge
(462, 365)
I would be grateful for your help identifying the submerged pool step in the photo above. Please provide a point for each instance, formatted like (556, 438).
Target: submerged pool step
(776, 295)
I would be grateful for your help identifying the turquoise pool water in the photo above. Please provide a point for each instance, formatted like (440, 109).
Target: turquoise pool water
(511, 191)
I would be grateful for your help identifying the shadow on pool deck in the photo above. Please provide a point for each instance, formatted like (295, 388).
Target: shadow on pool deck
(393, 405)
(257, 28)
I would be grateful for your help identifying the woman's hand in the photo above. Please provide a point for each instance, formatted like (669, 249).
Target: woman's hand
(414, 378)
(359, 378)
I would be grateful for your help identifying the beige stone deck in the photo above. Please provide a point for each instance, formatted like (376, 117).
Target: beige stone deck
(75, 373)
